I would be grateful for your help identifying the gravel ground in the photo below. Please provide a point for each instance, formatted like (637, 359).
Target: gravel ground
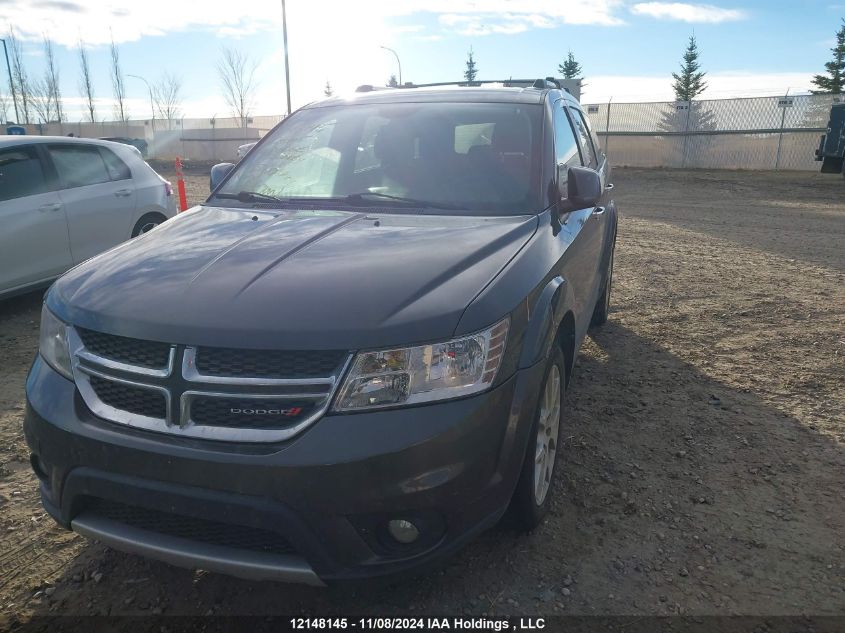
(703, 469)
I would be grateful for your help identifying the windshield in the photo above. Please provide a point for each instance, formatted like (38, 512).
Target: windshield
(468, 156)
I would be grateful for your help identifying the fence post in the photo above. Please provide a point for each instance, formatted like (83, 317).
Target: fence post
(607, 131)
(686, 135)
(780, 134)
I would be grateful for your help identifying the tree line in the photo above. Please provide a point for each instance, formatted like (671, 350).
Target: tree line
(37, 98)
(689, 82)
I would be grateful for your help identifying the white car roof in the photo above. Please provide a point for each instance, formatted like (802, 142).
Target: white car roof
(9, 140)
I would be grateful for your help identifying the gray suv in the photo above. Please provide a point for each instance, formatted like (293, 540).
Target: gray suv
(348, 361)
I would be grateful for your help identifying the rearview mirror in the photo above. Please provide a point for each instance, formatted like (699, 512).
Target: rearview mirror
(218, 173)
(581, 189)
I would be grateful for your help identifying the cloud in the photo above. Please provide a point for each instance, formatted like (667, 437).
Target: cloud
(95, 21)
(489, 23)
(685, 12)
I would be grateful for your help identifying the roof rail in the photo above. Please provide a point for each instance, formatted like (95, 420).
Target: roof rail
(547, 83)
(371, 88)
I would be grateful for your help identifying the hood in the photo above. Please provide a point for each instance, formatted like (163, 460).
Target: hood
(292, 279)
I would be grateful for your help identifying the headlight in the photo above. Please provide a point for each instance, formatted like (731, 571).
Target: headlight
(411, 375)
(53, 343)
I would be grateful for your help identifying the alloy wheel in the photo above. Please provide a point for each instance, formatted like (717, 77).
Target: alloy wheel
(547, 436)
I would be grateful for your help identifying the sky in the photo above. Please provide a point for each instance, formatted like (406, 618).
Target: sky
(627, 48)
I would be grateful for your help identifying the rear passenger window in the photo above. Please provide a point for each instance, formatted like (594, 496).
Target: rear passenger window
(588, 153)
(79, 165)
(118, 170)
(21, 173)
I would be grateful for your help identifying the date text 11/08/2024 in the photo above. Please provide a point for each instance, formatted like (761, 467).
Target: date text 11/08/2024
(418, 623)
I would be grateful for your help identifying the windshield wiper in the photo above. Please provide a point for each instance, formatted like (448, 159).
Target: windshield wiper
(366, 196)
(249, 196)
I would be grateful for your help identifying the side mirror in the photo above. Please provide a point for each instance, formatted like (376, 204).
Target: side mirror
(582, 188)
(218, 173)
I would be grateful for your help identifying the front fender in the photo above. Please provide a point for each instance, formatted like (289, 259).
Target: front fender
(543, 321)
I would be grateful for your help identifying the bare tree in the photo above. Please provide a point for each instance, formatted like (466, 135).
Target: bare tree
(51, 81)
(86, 85)
(20, 80)
(4, 108)
(167, 97)
(117, 85)
(237, 78)
(328, 90)
(41, 100)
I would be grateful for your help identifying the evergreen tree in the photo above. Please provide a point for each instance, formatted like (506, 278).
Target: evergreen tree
(328, 89)
(392, 83)
(834, 81)
(690, 83)
(472, 71)
(570, 69)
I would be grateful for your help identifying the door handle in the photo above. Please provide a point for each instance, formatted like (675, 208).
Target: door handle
(123, 193)
(598, 211)
(609, 186)
(45, 208)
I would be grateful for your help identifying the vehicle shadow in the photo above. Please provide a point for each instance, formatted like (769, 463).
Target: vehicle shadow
(677, 493)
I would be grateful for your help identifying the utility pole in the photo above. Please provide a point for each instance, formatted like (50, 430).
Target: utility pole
(395, 54)
(152, 106)
(11, 81)
(285, 38)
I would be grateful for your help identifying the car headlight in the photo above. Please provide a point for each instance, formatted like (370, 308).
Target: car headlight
(411, 375)
(53, 345)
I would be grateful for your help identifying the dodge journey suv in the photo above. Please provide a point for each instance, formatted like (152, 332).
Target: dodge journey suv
(351, 358)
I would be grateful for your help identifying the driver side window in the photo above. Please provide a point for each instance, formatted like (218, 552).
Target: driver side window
(566, 147)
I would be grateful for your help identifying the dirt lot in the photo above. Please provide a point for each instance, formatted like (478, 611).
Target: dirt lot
(703, 471)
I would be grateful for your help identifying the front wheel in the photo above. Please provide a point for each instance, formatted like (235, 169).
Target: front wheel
(531, 499)
(147, 223)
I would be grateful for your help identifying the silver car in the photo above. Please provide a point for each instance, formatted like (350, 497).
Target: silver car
(64, 200)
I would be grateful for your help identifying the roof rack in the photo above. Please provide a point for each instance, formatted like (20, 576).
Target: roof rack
(547, 83)
(371, 88)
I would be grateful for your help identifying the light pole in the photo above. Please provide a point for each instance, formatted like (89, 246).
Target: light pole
(285, 38)
(152, 107)
(11, 81)
(396, 55)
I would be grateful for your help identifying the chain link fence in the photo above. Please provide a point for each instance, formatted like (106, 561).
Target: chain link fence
(202, 139)
(751, 133)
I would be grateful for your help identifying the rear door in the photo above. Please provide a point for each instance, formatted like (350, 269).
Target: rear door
(34, 243)
(99, 197)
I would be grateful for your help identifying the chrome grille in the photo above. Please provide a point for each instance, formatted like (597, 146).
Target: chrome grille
(295, 364)
(210, 393)
(128, 398)
(149, 354)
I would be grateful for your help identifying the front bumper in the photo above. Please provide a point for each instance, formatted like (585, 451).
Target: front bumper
(449, 467)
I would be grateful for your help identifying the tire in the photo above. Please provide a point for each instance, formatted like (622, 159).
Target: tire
(602, 309)
(534, 489)
(147, 222)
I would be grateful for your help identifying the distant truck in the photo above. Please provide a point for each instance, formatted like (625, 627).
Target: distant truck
(831, 151)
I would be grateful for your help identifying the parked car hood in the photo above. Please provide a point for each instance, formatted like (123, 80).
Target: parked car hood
(292, 279)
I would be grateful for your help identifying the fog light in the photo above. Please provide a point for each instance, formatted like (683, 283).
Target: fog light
(403, 531)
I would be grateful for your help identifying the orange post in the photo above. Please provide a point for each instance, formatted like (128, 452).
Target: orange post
(180, 186)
